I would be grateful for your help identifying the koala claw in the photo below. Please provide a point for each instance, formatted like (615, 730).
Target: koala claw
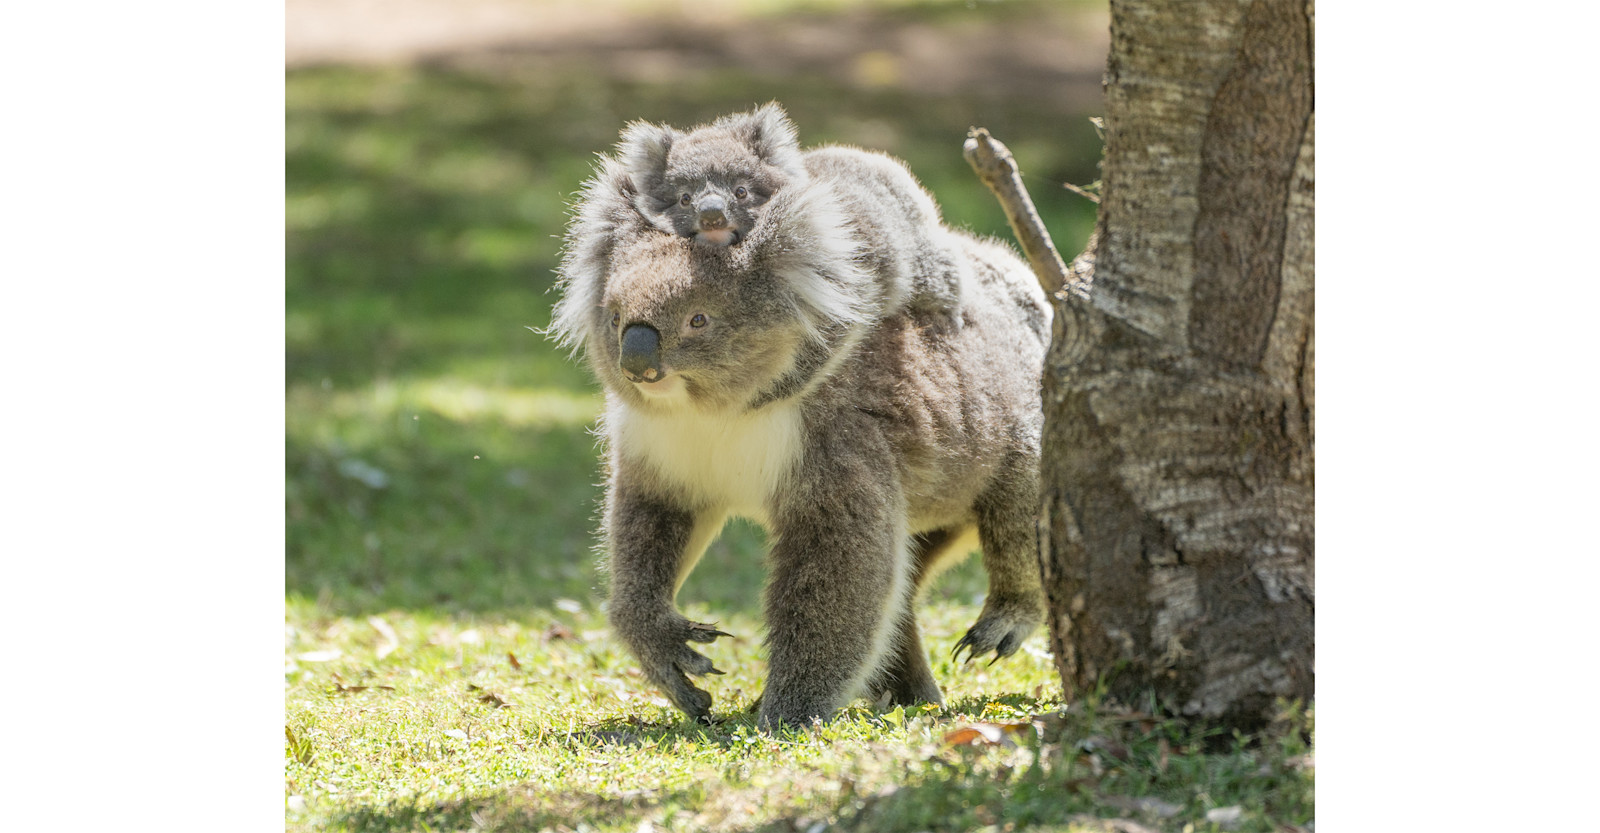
(693, 662)
(694, 702)
(705, 632)
(986, 636)
(669, 662)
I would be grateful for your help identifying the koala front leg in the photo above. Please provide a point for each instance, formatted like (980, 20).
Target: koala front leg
(653, 544)
(839, 586)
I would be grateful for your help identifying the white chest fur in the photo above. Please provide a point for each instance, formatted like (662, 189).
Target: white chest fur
(730, 463)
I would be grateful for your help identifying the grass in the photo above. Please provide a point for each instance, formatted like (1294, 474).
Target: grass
(441, 498)
(410, 721)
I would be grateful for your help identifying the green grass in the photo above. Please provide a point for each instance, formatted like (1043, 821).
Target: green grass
(411, 721)
(441, 494)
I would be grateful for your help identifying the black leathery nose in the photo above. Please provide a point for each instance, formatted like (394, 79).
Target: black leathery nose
(641, 352)
(712, 211)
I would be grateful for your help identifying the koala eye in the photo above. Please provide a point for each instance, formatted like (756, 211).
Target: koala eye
(698, 321)
(741, 192)
(616, 318)
(685, 199)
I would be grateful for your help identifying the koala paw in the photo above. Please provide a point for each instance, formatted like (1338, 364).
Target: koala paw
(670, 662)
(1001, 628)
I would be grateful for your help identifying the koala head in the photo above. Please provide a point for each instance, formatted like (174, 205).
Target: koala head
(666, 322)
(711, 183)
(677, 325)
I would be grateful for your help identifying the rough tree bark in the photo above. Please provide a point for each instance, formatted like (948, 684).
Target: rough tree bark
(1177, 520)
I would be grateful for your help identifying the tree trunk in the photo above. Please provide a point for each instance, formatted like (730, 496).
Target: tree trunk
(1177, 516)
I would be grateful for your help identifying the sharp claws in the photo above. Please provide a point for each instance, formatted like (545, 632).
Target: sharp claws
(705, 633)
(715, 670)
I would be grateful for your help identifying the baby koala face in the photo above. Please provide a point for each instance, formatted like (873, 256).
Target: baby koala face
(712, 190)
(710, 183)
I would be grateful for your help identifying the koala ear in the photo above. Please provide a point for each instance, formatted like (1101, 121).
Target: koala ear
(768, 133)
(643, 151)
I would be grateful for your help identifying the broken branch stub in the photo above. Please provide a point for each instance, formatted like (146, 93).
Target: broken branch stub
(994, 165)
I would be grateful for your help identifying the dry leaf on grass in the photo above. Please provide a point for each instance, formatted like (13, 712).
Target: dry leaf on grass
(299, 747)
(1144, 804)
(1226, 818)
(340, 688)
(390, 640)
(513, 658)
(987, 734)
(487, 696)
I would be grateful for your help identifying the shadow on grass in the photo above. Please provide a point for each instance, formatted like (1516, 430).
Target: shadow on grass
(519, 809)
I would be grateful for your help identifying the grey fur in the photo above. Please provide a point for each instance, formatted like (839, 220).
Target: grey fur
(796, 388)
(740, 161)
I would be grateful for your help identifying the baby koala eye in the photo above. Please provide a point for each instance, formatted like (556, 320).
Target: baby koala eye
(741, 192)
(616, 318)
(685, 199)
(698, 321)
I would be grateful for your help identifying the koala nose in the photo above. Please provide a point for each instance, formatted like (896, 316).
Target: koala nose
(713, 211)
(641, 353)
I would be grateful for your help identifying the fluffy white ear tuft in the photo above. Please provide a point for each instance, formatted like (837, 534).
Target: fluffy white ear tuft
(770, 135)
(805, 238)
(643, 150)
(604, 212)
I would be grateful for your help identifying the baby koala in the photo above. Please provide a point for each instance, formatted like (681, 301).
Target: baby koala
(710, 184)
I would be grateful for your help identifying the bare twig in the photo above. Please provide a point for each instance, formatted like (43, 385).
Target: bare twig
(1088, 195)
(994, 165)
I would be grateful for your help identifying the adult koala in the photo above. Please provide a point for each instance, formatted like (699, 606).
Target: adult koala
(781, 380)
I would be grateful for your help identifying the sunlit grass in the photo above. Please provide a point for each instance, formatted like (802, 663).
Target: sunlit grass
(449, 397)
(412, 721)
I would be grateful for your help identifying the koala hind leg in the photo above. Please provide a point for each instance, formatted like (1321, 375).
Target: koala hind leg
(1006, 531)
(906, 677)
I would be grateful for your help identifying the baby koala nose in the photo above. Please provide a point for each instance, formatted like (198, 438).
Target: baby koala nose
(641, 353)
(713, 212)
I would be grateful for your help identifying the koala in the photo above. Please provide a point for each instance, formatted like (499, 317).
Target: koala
(781, 380)
(710, 184)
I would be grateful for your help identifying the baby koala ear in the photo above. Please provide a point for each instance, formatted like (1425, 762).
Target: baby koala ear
(643, 151)
(769, 134)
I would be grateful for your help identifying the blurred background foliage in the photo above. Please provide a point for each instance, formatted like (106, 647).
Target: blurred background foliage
(438, 453)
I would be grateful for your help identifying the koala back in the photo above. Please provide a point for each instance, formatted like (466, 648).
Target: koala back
(903, 237)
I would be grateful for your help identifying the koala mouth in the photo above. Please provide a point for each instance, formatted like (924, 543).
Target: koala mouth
(720, 237)
(662, 386)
